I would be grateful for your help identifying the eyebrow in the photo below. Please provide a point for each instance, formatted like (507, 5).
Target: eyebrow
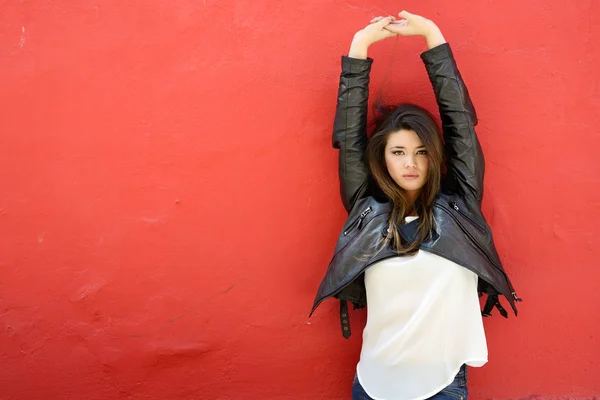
(402, 147)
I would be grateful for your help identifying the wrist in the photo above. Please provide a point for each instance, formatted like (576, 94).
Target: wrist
(434, 36)
(359, 47)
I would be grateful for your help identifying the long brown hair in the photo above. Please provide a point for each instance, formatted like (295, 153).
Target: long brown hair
(417, 119)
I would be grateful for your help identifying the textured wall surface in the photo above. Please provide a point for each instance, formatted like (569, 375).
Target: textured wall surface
(169, 195)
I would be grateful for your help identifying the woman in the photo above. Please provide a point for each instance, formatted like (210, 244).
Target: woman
(416, 246)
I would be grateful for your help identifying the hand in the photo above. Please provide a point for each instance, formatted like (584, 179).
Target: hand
(415, 25)
(410, 25)
(374, 32)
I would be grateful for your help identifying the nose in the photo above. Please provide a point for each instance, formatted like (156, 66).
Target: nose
(409, 162)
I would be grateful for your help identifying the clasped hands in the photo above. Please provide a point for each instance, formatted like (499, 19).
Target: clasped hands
(385, 27)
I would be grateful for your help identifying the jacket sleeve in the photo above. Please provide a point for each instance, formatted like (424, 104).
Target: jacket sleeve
(464, 157)
(350, 128)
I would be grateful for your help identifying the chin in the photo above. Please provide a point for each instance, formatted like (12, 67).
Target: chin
(411, 185)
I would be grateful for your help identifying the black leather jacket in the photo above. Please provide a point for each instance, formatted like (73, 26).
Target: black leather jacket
(461, 232)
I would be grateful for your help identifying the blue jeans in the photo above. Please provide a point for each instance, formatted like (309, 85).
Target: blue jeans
(457, 390)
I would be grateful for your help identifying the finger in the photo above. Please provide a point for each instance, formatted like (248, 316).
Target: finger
(384, 21)
(397, 26)
(389, 33)
(405, 14)
(402, 29)
(376, 19)
(393, 29)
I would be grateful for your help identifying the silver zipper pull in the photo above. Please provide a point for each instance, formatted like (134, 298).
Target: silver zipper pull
(362, 217)
(516, 297)
(359, 221)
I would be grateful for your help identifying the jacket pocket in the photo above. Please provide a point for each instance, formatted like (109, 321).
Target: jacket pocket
(357, 223)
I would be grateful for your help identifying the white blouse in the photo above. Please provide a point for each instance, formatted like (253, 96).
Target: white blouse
(423, 323)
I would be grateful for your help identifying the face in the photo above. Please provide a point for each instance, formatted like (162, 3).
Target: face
(407, 161)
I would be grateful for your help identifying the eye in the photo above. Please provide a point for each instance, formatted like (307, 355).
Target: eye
(397, 152)
(424, 152)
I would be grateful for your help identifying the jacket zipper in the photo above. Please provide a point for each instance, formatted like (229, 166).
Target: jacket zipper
(464, 214)
(358, 221)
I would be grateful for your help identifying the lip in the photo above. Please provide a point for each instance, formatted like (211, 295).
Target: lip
(410, 176)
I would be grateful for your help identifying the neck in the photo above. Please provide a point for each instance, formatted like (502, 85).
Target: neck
(412, 195)
(413, 203)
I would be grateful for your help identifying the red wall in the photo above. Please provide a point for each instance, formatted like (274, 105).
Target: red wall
(169, 193)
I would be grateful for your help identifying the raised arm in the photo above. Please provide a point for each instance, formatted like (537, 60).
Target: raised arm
(350, 123)
(465, 162)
